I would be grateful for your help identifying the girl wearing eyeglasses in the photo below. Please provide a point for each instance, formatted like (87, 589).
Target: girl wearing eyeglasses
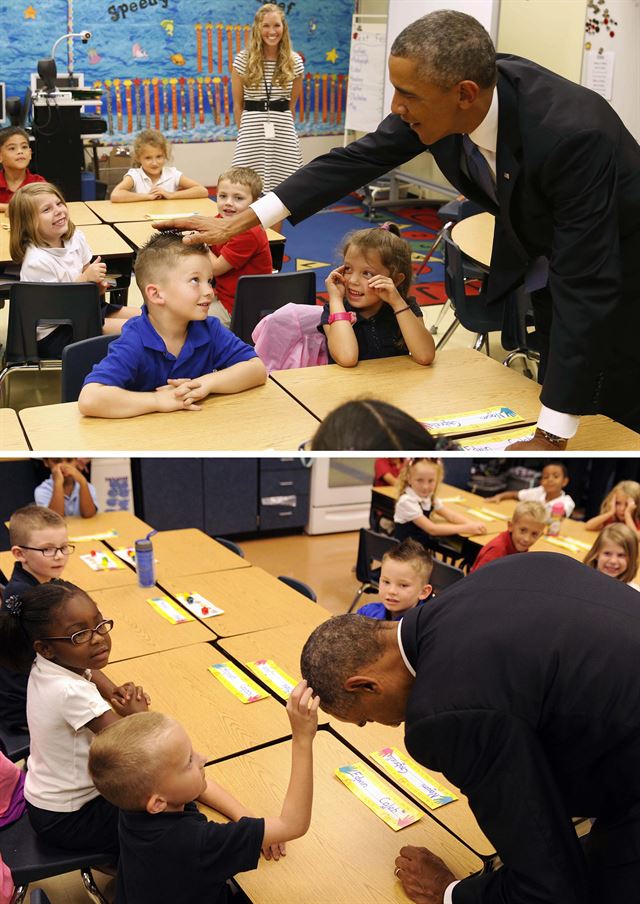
(63, 626)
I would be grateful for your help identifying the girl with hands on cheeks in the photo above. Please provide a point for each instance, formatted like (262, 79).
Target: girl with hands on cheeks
(369, 313)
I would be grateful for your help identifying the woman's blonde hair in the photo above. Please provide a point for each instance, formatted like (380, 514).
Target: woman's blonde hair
(405, 473)
(24, 221)
(622, 535)
(394, 251)
(629, 488)
(155, 139)
(254, 70)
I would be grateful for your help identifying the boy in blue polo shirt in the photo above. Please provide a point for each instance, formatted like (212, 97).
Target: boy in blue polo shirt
(174, 354)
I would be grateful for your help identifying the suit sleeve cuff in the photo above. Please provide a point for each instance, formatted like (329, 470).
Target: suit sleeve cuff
(564, 425)
(448, 893)
(270, 209)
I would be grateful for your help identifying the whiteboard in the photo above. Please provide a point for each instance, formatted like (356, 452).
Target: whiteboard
(403, 12)
(367, 67)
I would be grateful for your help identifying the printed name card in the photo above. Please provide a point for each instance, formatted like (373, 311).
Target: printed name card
(105, 535)
(565, 543)
(467, 421)
(413, 778)
(198, 605)
(496, 442)
(169, 610)
(101, 561)
(368, 788)
(480, 514)
(127, 554)
(273, 676)
(246, 690)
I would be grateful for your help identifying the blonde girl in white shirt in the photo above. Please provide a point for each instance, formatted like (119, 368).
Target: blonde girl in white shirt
(615, 552)
(151, 179)
(70, 638)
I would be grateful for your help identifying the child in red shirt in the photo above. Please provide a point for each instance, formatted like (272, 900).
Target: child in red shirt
(527, 525)
(15, 157)
(244, 254)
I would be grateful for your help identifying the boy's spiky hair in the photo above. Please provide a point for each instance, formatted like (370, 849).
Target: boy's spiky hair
(160, 254)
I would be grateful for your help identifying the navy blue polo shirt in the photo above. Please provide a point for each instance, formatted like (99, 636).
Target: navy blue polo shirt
(379, 336)
(139, 361)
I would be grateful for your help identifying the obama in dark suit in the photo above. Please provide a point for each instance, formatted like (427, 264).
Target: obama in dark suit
(520, 684)
(556, 166)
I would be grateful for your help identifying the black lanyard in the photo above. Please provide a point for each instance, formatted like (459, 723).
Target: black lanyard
(267, 90)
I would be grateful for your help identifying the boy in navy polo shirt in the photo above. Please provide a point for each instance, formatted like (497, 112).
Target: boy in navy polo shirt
(174, 354)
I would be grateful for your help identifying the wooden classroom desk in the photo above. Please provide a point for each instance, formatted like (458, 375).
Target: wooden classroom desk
(456, 816)
(12, 439)
(474, 237)
(217, 722)
(261, 418)
(282, 644)
(106, 242)
(5, 254)
(79, 214)
(459, 380)
(348, 853)
(138, 210)
(252, 600)
(189, 551)
(138, 232)
(127, 526)
(77, 572)
(139, 629)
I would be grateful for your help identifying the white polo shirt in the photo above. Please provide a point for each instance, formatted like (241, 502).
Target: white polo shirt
(59, 705)
(411, 506)
(142, 184)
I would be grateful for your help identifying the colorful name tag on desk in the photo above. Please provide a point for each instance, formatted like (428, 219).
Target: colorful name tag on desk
(246, 690)
(468, 421)
(368, 788)
(105, 535)
(496, 442)
(127, 554)
(101, 561)
(168, 610)
(567, 543)
(413, 778)
(198, 605)
(273, 676)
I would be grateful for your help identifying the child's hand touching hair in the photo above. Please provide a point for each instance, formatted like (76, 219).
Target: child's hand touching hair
(386, 289)
(335, 285)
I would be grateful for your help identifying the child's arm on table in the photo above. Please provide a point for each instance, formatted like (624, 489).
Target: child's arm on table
(417, 337)
(598, 521)
(100, 400)
(294, 819)
(237, 378)
(500, 497)
(218, 798)
(127, 699)
(341, 340)
(446, 529)
(123, 192)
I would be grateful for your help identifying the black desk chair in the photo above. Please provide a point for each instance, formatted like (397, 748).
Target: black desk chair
(257, 296)
(472, 311)
(14, 743)
(371, 548)
(31, 860)
(518, 332)
(78, 359)
(234, 547)
(444, 575)
(300, 586)
(47, 304)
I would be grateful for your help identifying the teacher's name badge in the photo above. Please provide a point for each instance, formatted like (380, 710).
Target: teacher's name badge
(246, 690)
(168, 610)
(389, 807)
(466, 421)
(100, 561)
(273, 676)
(413, 778)
(198, 605)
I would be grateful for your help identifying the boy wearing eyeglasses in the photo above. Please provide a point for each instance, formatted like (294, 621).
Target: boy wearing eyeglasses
(67, 491)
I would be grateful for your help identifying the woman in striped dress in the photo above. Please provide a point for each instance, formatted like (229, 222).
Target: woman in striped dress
(266, 83)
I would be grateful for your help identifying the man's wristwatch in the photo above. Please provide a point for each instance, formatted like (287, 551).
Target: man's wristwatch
(551, 437)
(342, 315)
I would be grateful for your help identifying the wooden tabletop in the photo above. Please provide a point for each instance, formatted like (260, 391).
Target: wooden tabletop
(127, 526)
(105, 241)
(139, 629)
(79, 214)
(261, 418)
(12, 439)
(348, 853)
(282, 644)
(189, 551)
(138, 210)
(5, 255)
(456, 816)
(474, 237)
(139, 232)
(252, 600)
(218, 723)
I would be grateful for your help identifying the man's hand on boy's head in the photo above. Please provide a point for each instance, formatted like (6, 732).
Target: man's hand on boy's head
(302, 709)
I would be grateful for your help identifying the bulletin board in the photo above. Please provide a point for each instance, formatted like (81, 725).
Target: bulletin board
(166, 64)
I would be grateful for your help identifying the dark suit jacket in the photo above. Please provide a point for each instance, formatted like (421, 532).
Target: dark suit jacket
(568, 180)
(527, 696)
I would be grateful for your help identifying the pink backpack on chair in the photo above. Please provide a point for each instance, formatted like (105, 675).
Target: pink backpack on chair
(289, 337)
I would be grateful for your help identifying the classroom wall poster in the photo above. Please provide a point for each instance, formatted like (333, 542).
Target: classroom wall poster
(166, 64)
